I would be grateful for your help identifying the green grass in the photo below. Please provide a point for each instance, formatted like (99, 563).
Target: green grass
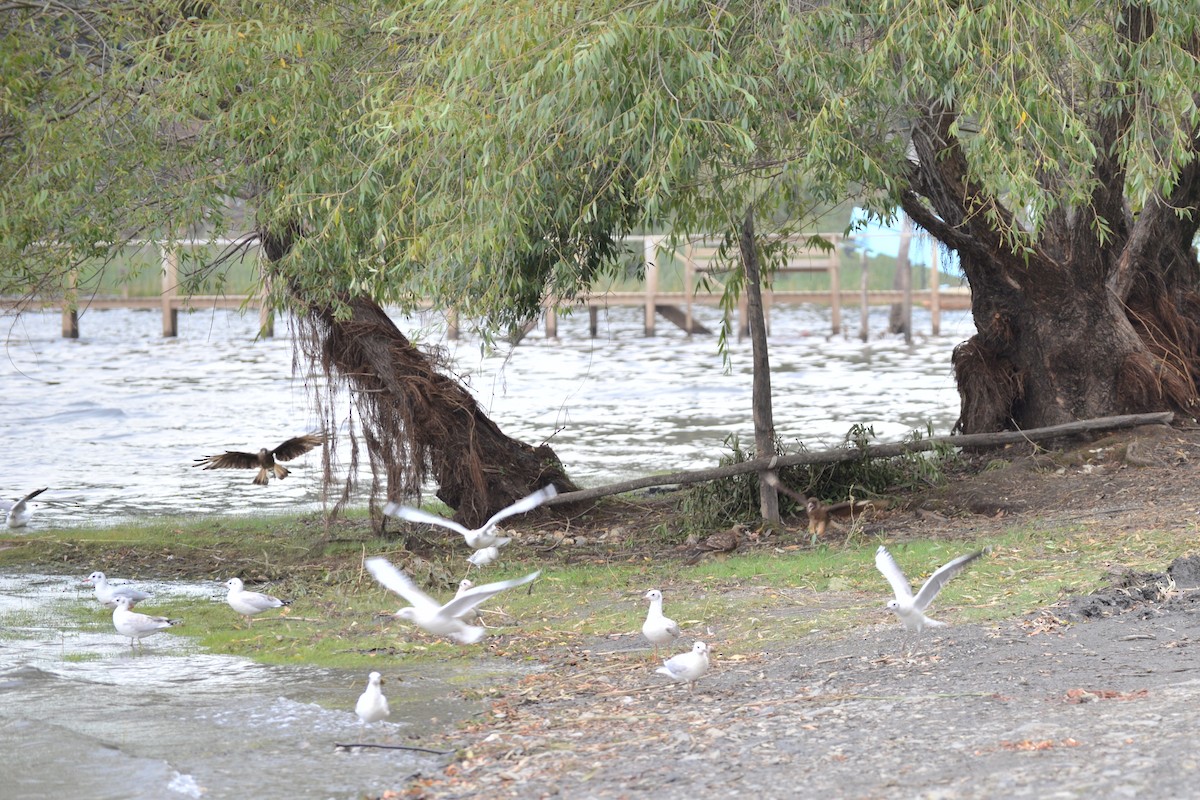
(745, 600)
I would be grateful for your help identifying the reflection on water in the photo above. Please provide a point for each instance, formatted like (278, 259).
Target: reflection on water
(81, 715)
(113, 421)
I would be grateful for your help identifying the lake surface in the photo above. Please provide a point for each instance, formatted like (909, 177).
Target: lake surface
(113, 421)
(81, 715)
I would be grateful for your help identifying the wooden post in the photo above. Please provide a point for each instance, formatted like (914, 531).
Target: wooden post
(908, 295)
(651, 257)
(935, 300)
(593, 320)
(551, 323)
(70, 309)
(170, 285)
(835, 290)
(864, 327)
(760, 391)
(452, 325)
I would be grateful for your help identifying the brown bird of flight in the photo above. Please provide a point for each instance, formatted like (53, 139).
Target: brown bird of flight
(265, 460)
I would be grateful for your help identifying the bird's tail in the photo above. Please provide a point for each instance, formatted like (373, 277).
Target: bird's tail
(262, 477)
(470, 634)
(281, 471)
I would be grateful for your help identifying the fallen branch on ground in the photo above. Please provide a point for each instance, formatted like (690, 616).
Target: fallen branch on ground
(841, 454)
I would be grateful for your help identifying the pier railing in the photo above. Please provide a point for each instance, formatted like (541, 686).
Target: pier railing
(703, 282)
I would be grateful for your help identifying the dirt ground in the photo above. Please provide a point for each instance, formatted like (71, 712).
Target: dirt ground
(1096, 696)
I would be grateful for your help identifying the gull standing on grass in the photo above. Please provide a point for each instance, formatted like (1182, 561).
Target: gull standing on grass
(426, 613)
(17, 514)
(372, 706)
(911, 610)
(484, 535)
(108, 594)
(250, 603)
(658, 629)
(135, 625)
(687, 666)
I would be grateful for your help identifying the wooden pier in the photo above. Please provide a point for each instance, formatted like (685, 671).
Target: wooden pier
(700, 267)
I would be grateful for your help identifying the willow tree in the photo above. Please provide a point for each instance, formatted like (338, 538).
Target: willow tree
(150, 118)
(1050, 146)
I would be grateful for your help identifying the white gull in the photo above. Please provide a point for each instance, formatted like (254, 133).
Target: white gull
(372, 706)
(658, 629)
(426, 613)
(910, 609)
(107, 594)
(485, 534)
(17, 514)
(135, 625)
(249, 603)
(687, 666)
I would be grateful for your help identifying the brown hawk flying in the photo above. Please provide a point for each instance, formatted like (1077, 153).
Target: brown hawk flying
(265, 460)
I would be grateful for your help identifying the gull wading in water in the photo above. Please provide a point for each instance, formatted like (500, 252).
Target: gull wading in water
(484, 535)
(135, 625)
(658, 629)
(108, 594)
(249, 603)
(910, 609)
(372, 706)
(428, 614)
(265, 460)
(17, 514)
(686, 666)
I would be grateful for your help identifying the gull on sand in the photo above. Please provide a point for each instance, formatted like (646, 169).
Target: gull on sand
(688, 666)
(910, 609)
(107, 594)
(428, 614)
(484, 535)
(249, 603)
(658, 629)
(135, 625)
(372, 706)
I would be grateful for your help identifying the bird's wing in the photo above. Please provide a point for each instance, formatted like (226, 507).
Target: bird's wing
(20, 504)
(677, 665)
(410, 514)
(476, 595)
(891, 570)
(395, 580)
(527, 503)
(230, 459)
(298, 446)
(940, 578)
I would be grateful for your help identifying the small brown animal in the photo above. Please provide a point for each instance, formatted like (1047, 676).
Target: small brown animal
(264, 459)
(722, 542)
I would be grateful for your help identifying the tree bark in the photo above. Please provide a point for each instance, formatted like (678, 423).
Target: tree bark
(762, 412)
(1069, 327)
(417, 422)
(900, 316)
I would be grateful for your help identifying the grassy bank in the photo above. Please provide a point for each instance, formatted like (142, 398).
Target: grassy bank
(781, 589)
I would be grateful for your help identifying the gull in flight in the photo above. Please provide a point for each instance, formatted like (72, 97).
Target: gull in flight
(426, 613)
(135, 625)
(249, 603)
(484, 556)
(484, 535)
(18, 514)
(372, 706)
(265, 460)
(910, 609)
(657, 628)
(687, 666)
(107, 594)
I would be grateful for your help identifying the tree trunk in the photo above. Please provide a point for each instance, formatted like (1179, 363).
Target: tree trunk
(416, 421)
(1069, 327)
(760, 400)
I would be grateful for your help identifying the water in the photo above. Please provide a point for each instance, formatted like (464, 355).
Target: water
(113, 421)
(80, 714)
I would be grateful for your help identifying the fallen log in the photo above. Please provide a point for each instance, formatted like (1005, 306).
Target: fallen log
(840, 454)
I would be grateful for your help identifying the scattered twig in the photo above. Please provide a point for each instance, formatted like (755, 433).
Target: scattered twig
(414, 748)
